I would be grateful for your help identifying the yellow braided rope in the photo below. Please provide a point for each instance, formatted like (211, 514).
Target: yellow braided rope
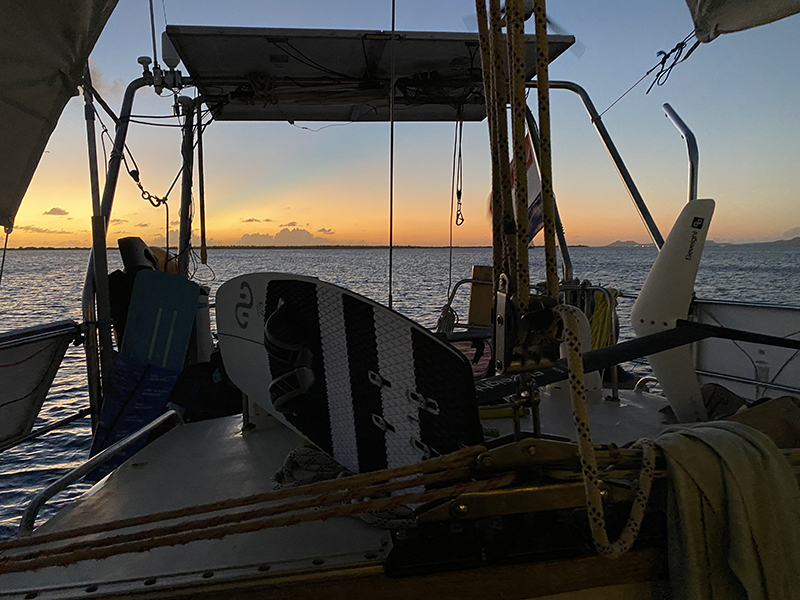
(591, 478)
(545, 159)
(498, 257)
(515, 26)
(500, 139)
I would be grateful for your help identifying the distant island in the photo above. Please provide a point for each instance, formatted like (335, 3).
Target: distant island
(792, 243)
(627, 244)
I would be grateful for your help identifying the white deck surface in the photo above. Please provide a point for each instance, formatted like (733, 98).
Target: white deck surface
(635, 415)
(196, 464)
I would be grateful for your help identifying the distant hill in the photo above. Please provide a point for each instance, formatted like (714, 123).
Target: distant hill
(626, 244)
(792, 233)
(792, 243)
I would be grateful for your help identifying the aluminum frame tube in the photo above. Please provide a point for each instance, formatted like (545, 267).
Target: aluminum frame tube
(89, 308)
(691, 148)
(624, 174)
(187, 153)
(29, 515)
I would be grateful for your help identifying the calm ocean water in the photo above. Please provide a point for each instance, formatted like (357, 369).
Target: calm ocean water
(41, 286)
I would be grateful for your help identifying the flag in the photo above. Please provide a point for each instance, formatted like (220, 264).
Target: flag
(535, 214)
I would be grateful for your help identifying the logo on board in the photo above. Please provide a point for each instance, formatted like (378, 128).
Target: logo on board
(242, 309)
(697, 223)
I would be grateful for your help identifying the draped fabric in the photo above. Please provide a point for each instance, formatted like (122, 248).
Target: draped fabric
(715, 17)
(45, 45)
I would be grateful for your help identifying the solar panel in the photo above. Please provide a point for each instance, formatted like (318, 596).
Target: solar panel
(267, 74)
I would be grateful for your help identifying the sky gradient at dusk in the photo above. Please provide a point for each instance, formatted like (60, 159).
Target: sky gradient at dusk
(274, 183)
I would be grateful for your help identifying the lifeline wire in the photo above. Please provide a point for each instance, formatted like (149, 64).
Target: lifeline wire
(391, 153)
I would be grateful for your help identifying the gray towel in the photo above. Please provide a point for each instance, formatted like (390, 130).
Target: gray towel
(734, 514)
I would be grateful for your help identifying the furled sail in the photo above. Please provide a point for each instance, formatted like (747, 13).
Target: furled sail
(714, 17)
(44, 45)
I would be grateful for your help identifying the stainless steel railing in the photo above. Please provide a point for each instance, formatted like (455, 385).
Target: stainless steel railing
(40, 499)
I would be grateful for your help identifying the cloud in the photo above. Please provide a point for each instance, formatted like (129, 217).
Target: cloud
(55, 211)
(174, 223)
(298, 237)
(324, 231)
(102, 85)
(250, 220)
(268, 220)
(256, 239)
(34, 229)
(291, 224)
(142, 225)
(285, 237)
(117, 221)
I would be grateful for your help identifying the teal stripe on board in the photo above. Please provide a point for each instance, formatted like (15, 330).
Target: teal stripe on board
(160, 319)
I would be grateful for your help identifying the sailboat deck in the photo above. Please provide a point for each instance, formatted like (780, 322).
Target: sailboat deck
(196, 464)
(215, 460)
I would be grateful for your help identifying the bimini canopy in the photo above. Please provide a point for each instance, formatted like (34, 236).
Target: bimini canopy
(714, 17)
(45, 45)
(259, 74)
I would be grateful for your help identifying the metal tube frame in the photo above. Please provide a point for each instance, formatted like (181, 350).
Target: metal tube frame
(187, 153)
(691, 148)
(624, 174)
(89, 288)
(39, 500)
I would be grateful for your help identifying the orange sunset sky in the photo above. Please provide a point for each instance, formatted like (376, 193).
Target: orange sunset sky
(274, 183)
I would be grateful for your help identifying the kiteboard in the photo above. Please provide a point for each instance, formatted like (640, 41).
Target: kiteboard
(365, 384)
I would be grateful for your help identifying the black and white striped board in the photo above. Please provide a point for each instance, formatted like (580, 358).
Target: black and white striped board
(362, 382)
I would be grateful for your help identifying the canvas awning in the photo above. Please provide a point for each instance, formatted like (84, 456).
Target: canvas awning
(264, 74)
(45, 46)
(715, 17)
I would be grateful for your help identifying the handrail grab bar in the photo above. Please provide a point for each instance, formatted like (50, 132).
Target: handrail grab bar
(39, 500)
(691, 148)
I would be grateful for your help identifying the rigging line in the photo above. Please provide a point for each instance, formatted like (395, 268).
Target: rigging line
(5, 248)
(391, 151)
(663, 75)
(154, 124)
(317, 130)
(661, 64)
(151, 116)
(452, 208)
(460, 175)
(642, 78)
